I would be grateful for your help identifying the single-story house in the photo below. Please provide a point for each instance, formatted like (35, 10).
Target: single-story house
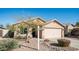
(50, 29)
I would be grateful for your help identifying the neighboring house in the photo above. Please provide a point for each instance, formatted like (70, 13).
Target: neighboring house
(68, 28)
(51, 29)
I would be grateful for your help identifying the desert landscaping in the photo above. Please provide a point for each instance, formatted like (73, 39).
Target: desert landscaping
(21, 37)
(47, 29)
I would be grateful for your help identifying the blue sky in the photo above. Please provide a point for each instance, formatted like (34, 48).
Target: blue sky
(63, 15)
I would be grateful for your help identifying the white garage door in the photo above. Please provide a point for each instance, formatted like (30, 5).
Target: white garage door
(52, 33)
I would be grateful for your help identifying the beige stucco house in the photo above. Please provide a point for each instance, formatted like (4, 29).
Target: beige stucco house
(50, 29)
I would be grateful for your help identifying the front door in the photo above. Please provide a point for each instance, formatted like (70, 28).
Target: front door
(34, 33)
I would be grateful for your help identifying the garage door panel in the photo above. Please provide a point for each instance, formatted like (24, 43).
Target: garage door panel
(52, 33)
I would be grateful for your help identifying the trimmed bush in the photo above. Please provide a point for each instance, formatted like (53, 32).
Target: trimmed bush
(8, 45)
(63, 42)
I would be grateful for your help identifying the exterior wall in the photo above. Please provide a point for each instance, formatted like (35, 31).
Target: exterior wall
(62, 33)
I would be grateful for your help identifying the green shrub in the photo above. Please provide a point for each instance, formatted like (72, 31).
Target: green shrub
(8, 45)
(11, 44)
(63, 42)
(2, 47)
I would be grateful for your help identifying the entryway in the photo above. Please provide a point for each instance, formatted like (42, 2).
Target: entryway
(34, 33)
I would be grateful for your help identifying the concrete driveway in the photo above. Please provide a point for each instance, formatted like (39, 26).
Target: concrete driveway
(74, 45)
(74, 42)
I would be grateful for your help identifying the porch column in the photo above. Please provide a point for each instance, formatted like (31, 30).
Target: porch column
(38, 37)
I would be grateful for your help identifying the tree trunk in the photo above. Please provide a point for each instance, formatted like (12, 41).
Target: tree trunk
(29, 34)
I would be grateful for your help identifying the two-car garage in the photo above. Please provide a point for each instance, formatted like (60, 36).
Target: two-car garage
(53, 29)
(52, 33)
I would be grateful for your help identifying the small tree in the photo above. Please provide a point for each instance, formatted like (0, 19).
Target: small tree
(21, 27)
(30, 26)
